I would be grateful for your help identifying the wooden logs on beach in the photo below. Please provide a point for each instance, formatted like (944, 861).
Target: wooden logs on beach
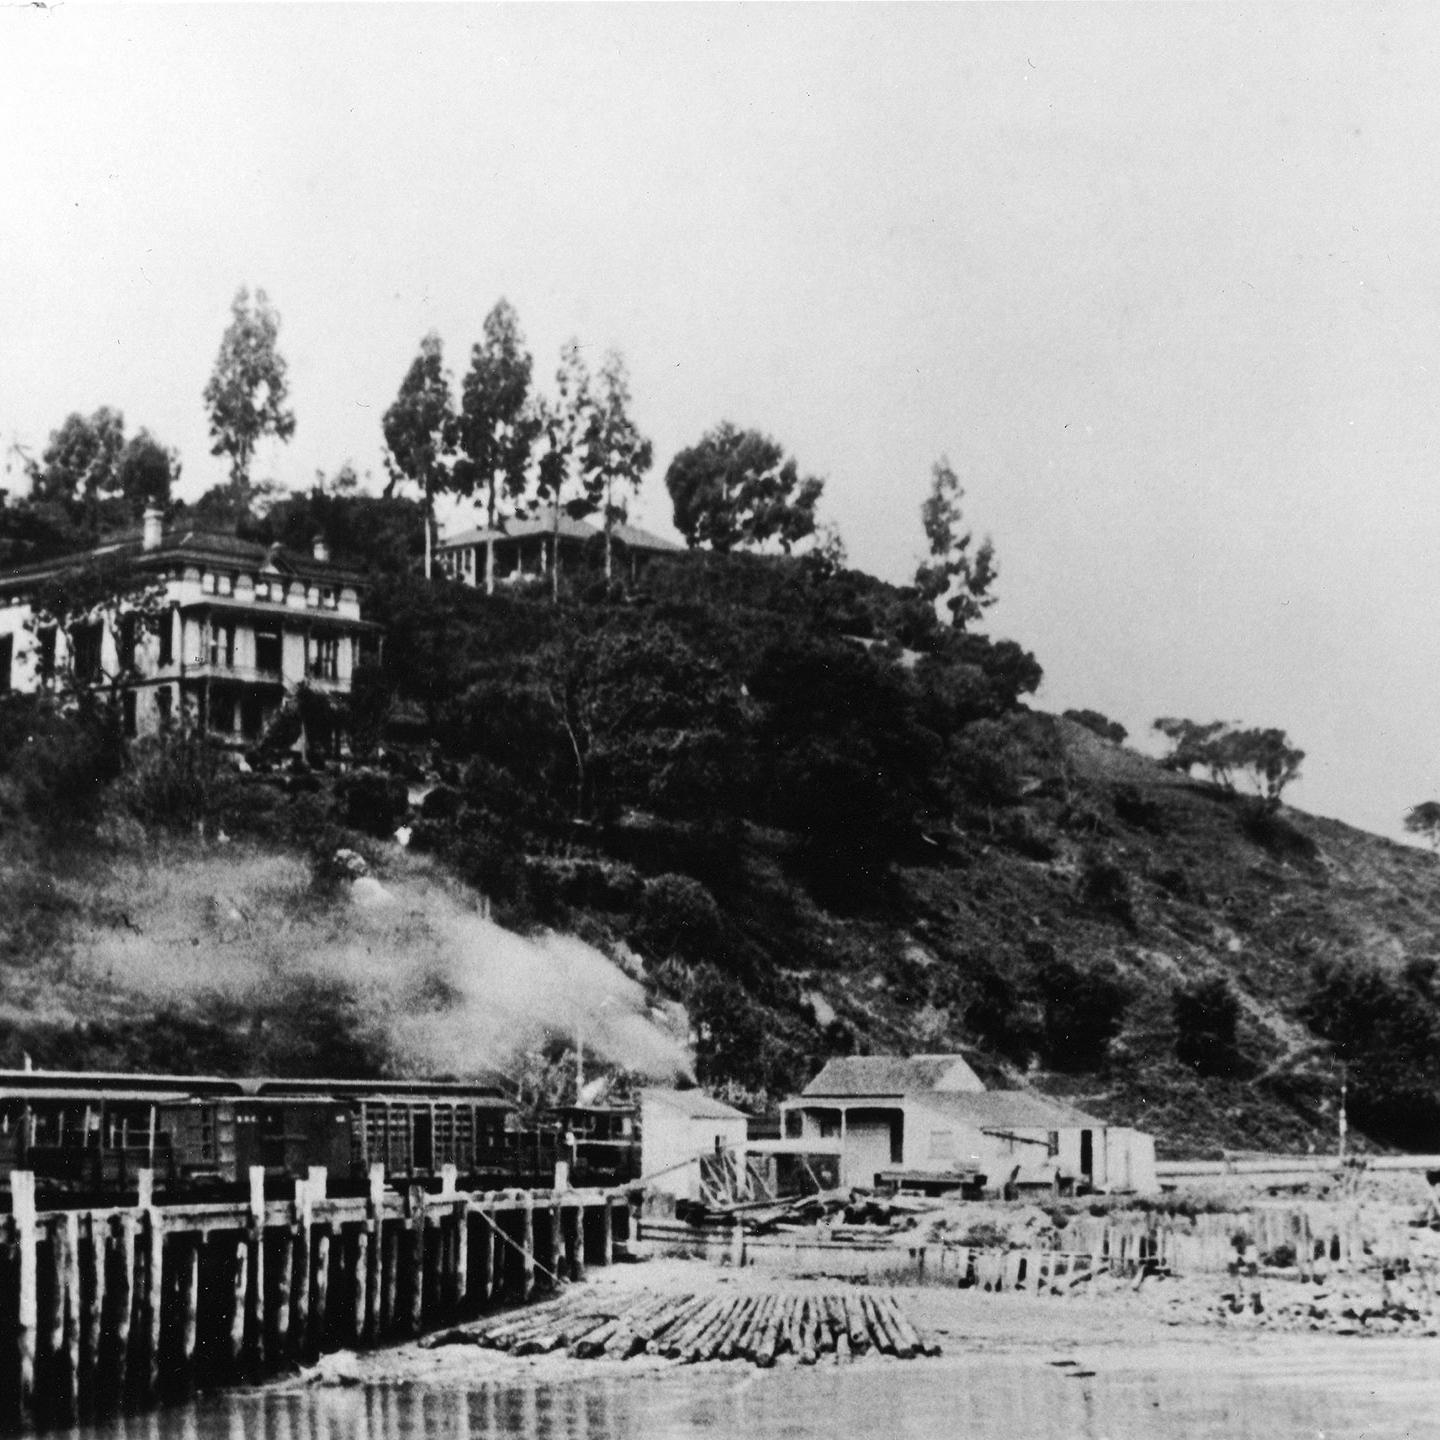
(757, 1326)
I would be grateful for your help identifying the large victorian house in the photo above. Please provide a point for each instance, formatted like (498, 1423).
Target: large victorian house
(239, 629)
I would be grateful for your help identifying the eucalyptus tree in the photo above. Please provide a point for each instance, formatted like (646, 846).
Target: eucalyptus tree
(952, 573)
(498, 425)
(246, 394)
(737, 488)
(617, 454)
(420, 429)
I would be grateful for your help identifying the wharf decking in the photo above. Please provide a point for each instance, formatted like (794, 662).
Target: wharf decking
(117, 1309)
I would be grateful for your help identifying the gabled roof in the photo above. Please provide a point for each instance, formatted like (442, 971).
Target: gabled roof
(892, 1076)
(1009, 1110)
(694, 1104)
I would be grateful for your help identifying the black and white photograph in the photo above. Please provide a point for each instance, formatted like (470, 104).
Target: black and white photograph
(717, 721)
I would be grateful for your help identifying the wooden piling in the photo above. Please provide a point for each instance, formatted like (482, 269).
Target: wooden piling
(124, 1304)
(256, 1226)
(374, 1225)
(320, 1312)
(414, 1261)
(527, 1206)
(92, 1314)
(238, 1309)
(189, 1313)
(360, 1272)
(67, 1273)
(390, 1266)
(300, 1285)
(460, 1219)
(280, 1338)
(154, 1300)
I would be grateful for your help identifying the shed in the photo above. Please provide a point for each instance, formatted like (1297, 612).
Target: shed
(679, 1128)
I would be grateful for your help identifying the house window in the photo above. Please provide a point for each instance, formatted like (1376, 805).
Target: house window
(312, 595)
(267, 650)
(127, 705)
(85, 652)
(167, 638)
(222, 714)
(794, 1124)
(829, 1127)
(329, 599)
(222, 646)
(225, 584)
(126, 635)
(45, 653)
(7, 655)
(164, 703)
(207, 583)
(325, 660)
(262, 589)
(252, 717)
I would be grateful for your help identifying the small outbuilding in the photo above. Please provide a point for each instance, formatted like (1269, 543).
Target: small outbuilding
(681, 1133)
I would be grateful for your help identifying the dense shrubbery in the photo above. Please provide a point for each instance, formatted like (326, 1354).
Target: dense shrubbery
(1207, 1018)
(1385, 1031)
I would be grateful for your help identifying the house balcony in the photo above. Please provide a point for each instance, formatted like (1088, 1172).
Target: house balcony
(238, 674)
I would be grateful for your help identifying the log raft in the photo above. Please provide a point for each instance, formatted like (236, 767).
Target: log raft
(756, 1326)
(122, 1308)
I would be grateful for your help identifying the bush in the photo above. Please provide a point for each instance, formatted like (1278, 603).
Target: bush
(1136, 809)
(678, 916)
(1084, 1009)
(1105, 887)
(1207, 1015)
(374, 803)
(1099, 724)
(1273, 833)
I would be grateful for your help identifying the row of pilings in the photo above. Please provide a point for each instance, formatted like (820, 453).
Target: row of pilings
(106, 1311)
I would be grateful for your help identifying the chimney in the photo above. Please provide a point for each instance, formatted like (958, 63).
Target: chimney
(322, 550)
(154, 527)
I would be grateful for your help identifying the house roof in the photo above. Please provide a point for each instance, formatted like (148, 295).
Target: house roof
(1009, 1109)
(694, 1104)
(187, 542)
(893, 1075)
(543, 525)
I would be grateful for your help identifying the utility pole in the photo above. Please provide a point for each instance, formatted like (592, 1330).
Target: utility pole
(1344, 1121)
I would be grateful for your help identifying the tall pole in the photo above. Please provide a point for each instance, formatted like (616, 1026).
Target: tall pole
(1344, 1120)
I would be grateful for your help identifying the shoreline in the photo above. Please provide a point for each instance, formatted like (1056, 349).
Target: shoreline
(1168, 1324)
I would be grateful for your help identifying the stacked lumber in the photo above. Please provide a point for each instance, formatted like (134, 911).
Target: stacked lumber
(757, 1326)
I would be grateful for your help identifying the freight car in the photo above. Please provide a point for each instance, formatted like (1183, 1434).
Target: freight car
(88, 1135)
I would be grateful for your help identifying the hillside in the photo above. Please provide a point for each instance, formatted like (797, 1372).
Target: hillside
(781, 814)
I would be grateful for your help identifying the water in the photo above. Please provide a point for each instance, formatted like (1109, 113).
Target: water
(1291, 1390)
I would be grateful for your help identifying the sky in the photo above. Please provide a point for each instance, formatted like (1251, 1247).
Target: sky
(1161, 280)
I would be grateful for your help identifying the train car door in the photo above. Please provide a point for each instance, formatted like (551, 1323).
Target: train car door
(423, 1131)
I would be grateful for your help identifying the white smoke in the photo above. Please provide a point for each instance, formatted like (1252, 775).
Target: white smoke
(456, 993)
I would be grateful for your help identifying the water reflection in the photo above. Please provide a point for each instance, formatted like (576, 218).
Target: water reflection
(1332, 1391)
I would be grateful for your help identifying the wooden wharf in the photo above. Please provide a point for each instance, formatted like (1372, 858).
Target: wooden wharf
(110, 1310)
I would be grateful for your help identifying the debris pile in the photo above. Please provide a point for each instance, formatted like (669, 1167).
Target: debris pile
(758, 1326)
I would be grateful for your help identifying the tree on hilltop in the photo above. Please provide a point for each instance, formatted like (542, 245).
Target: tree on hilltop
(420, 429)
(247, 391)
(1265, 756)
(953, 574)
(617, 454)
(738, 488)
